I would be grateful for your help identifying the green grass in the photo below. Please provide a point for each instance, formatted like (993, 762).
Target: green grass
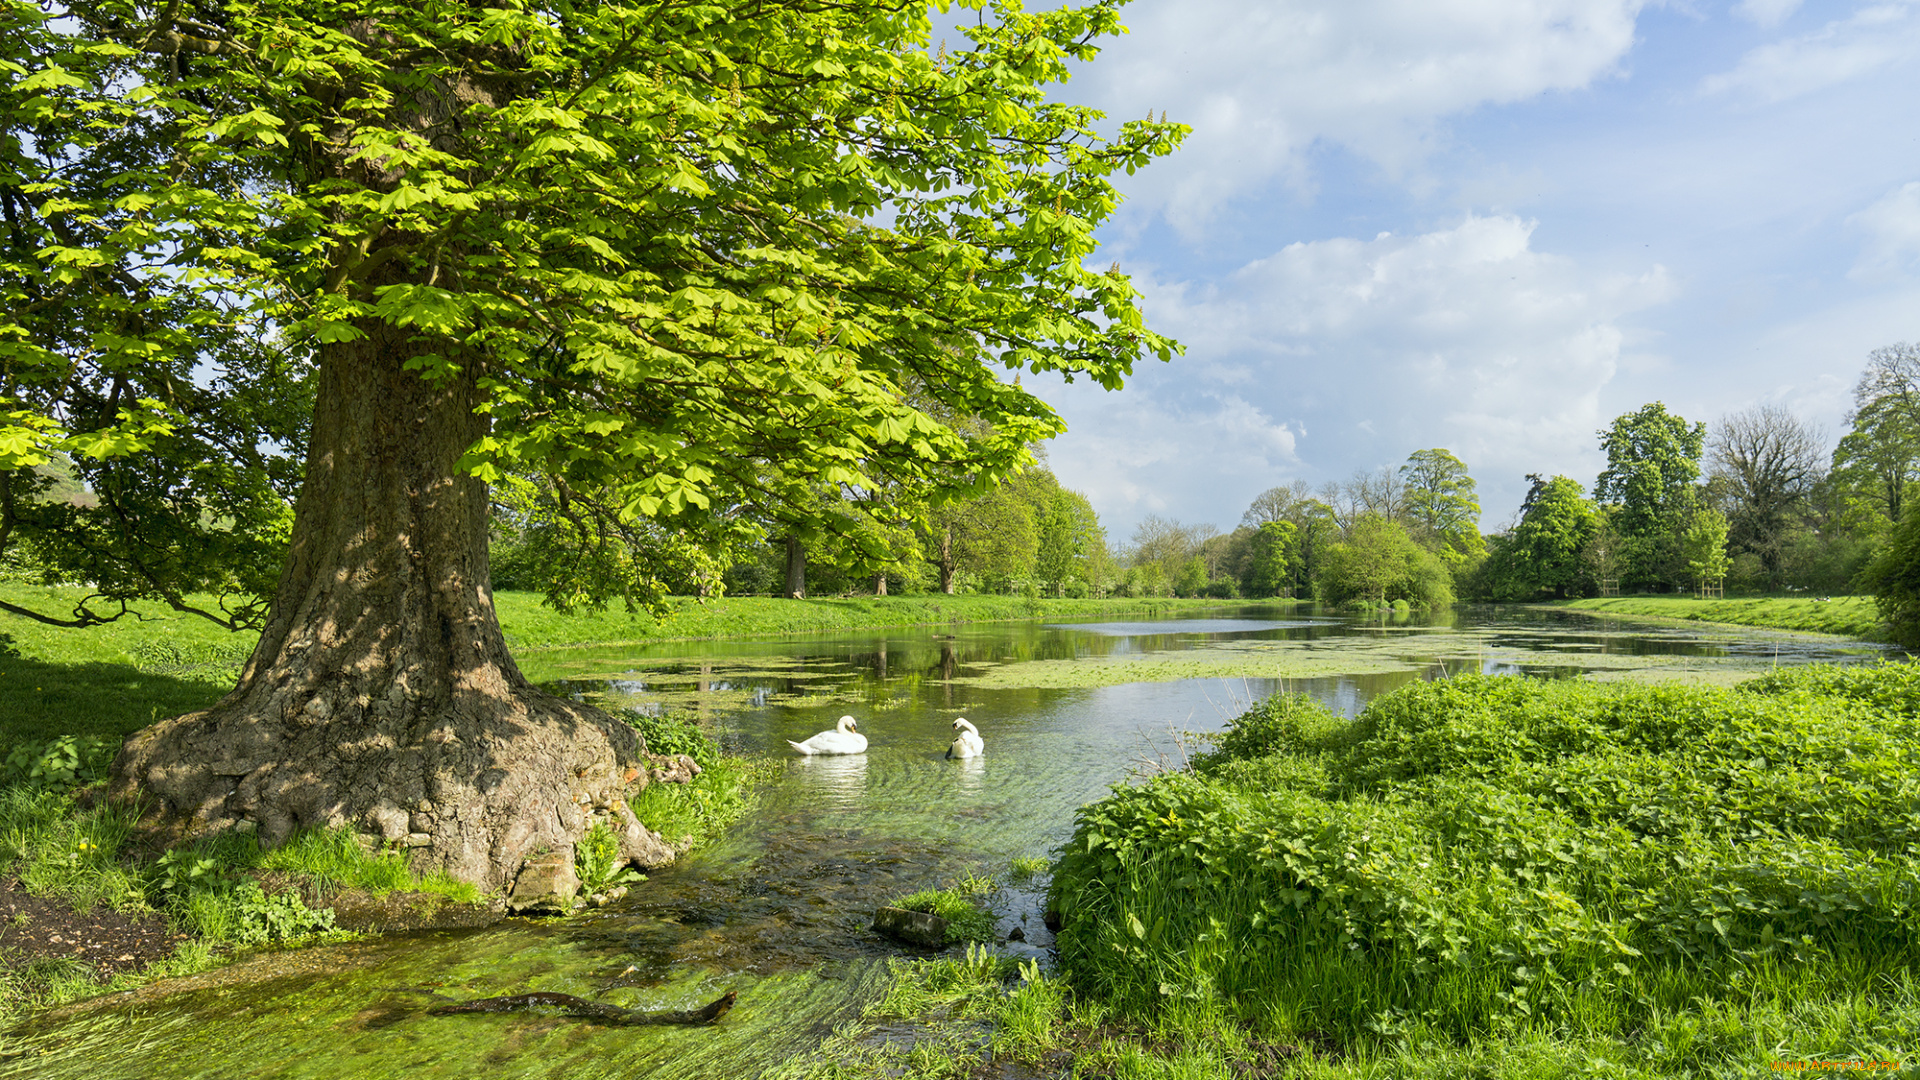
(1846, 616)
(949, 1002)
(1507, 877)
(529, 624)
(965, 905)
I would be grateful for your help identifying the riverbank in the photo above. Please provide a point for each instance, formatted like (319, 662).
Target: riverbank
(1515, 877)
(529, 624)
(1842, 616)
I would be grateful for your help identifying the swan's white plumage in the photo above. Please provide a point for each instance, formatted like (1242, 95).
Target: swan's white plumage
(968, 744)
(841, 740)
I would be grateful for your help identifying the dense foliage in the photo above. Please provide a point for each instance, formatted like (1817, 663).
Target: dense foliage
(734, 267)
(1482, 852)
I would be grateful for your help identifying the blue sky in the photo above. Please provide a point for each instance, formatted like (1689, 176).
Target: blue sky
(1491, 226)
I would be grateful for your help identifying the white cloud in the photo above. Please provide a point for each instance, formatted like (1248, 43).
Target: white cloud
(1892, 228)
(1260, 83)
(1874, 37)
(1465, 338)
(1767, 14)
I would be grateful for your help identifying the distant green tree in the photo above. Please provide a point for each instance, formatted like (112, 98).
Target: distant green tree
(992, 538)
(1192, 580)
(1443, 506)
(1878, 460)
(1893, 577)
(1271, 563)
(1067, 527)
(1543, 554)
(1705, 546)
(1380, 562)
(1653, 462)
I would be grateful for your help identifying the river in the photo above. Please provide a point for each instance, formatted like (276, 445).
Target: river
(779, 909)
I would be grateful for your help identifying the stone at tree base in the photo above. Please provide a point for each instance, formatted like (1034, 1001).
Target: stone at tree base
(672, 769)
(639, 845)
(546, 882)
(913, 927)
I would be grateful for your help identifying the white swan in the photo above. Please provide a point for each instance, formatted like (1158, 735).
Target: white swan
(841, 740)
(968, 744)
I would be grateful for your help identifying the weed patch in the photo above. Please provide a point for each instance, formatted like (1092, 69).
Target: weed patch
(1480, 862)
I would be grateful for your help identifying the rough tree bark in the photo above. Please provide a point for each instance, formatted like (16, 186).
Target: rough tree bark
(381, 695)
(946, 561)
(796, 570)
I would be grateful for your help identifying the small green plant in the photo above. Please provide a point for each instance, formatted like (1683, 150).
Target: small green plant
(181, 871)
(1028, 868)
(59, 763)
(596, 859)
(674, 733)
(962, 905)
(261, 918)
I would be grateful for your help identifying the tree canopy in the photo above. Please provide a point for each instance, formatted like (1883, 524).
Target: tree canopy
(672, 261)
(691, 253)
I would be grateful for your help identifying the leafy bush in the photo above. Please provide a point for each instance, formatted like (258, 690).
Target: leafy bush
(674, 733)
(58, 763)
(597, 861)
(1486, 851)
(261, 918)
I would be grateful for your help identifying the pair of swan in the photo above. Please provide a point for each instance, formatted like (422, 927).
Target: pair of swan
(843, 739)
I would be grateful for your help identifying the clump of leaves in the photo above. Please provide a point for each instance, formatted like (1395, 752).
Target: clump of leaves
(596, 859)
(673, 733)
(62, 762)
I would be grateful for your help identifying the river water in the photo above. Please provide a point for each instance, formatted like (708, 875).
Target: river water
(779, 910)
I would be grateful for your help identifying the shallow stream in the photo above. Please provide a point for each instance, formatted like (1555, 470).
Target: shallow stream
(779, 910)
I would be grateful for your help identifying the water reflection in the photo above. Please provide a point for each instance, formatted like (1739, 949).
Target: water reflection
(835, 780)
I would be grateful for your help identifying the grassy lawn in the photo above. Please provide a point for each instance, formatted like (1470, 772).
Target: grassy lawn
(531, 625)
(1847, 616)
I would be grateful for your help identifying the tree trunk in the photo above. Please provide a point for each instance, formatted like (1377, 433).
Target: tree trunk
(880, 583)
(946, 561)
(381, 696)
(796, 570)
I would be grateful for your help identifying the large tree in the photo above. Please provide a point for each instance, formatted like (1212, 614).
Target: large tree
(682, 255)
(1765, 462)
(1543, 553)
(1653, 461)
(1443, 506)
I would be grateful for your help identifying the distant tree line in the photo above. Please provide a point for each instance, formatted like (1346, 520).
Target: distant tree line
(1026, 534)
(1758, 502)
(1395, 535)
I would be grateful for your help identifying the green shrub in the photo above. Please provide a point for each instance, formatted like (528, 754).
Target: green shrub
(675, 734)
(1481, 852)
(63, 762)
(596, 860)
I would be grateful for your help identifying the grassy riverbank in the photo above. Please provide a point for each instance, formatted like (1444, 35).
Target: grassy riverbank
(1846, 616)
(89, 906)
(1512, 877)
(530, 625)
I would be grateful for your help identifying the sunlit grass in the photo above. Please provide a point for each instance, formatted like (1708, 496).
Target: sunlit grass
(1847, 616)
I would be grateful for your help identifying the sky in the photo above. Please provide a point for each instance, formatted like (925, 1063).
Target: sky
(1490, 226)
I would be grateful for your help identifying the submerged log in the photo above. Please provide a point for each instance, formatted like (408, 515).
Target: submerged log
(568, 1005)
